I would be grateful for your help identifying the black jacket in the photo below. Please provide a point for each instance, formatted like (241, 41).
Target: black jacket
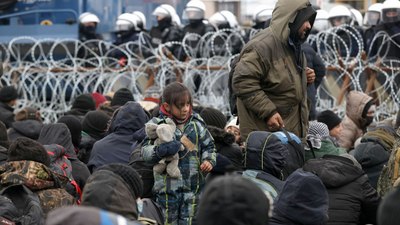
(372, 156)
(384, 46)
(303, 200)
(6, 114)
(162, 35)
(126, 129)
(107, 191)
(58, 133)
(3, 154)
(25, 128)
(85, 147)
(352, 200)
(314, 61)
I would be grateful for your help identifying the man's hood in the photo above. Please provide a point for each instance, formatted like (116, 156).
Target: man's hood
(303, 200)
(334, 171)
(355, 104)
(284, 13)
(28, 128)
(58, 133)
(105, 190)
(130, 118)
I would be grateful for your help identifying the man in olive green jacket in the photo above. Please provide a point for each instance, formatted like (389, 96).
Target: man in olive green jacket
(270, 78)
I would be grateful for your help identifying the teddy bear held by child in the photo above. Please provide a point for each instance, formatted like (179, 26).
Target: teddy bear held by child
(163, 133)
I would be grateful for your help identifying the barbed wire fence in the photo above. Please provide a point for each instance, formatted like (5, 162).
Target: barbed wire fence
(50, 73)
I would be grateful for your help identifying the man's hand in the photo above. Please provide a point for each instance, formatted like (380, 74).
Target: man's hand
(275, 122)
(310, 75)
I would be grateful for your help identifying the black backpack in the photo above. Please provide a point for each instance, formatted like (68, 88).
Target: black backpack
(296, 158)
(145, 170)
(21, 206)
(260, 141)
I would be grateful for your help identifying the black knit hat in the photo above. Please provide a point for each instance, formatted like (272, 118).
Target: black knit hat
(129, 175)
(233, 200)
(213, 117)
(329, 118)
(388, 211)
(85, 102)
(75, 128)
(121, 97)
(27, 149)
(8, 93)
(95, 124)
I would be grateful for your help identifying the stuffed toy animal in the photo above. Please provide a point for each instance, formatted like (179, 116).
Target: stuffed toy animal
(163, 133)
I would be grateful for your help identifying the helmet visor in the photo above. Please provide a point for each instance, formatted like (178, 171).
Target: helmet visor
(390, 15)
(372, 18)
(122, 27)
(339, 20)
(192, 14)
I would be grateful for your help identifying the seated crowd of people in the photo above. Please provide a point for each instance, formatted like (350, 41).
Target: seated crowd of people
(100, 162)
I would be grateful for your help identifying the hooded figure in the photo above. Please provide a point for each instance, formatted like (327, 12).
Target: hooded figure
(303, 200)
(352, 200)
(75, 128)
(58, 133)
(270, 79)
(356, 120)
(106, 190)
(264, 161)
(28, 123)
(374, 151)
(233, 200)
(126, 130)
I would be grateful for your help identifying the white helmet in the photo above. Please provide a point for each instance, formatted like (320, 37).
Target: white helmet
(164, 10)
(141, 22)
(391, 11)
(88, 17)
(176, 20)
(262, 15)
(222, 17)
(126, 22)
(194, 10)
(357, 16)
(373, 15)
(339, 15)
(321, 22)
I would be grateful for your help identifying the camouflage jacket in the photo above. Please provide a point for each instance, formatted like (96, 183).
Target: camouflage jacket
(391, 171)
(38, 178)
